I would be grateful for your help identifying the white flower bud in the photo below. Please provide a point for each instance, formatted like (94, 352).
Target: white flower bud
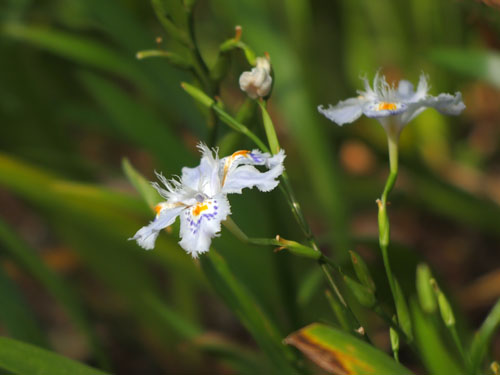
(257, 82)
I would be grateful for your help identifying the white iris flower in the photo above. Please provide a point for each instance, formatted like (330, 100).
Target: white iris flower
(385, 102)
(199, 195)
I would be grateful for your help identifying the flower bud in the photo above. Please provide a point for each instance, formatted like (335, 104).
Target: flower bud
(258, 82)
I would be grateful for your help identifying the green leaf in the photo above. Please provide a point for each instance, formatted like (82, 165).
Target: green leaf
(198, 95)
(172, 57)
(363, 294)
(16, 316)
(479, 64)
(272, 138)
(394, 336)
(21, 358)
(226, 118)
(433, 350)
(362, 271)
(444, 306)
(482, 339)
(340, 353)
(147, 192)
(248, 311)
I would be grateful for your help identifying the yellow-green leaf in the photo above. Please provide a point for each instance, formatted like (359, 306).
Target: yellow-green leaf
(342, 354)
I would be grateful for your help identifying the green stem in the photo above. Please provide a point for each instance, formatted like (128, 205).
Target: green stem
(239, 127)
(458, 343)
(383, 219)
(393, 324)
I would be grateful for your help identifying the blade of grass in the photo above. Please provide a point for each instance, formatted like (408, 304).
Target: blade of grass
(433, 350)
(484, 336)
(340, 353)
(147, 192)
(21, 358)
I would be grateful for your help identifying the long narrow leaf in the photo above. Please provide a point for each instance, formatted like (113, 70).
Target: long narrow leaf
(21, 358)
(148, 193)
(434, 352)
(483, 337)
(340, 353)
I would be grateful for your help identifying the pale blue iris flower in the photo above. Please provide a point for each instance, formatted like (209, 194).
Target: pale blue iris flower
(199, 196)
(392, 106)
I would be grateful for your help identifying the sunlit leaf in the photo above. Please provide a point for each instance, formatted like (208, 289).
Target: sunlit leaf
(148, 193)
(342, 354)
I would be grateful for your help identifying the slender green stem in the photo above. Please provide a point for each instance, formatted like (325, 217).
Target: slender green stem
(239, 127)
(458, 343)
(393, 324)
(383, 219)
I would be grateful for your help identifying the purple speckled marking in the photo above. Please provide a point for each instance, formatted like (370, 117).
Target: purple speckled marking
(195, 222)
(256, 158)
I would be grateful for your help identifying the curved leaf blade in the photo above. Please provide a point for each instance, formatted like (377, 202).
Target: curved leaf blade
(483, 337)
(435, 355)
(342, 354)
(21, 358)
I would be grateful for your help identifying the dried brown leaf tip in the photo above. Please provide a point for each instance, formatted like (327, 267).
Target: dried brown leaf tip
(326, 358)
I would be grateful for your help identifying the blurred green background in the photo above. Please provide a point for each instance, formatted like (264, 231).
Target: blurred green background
(75, 101)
